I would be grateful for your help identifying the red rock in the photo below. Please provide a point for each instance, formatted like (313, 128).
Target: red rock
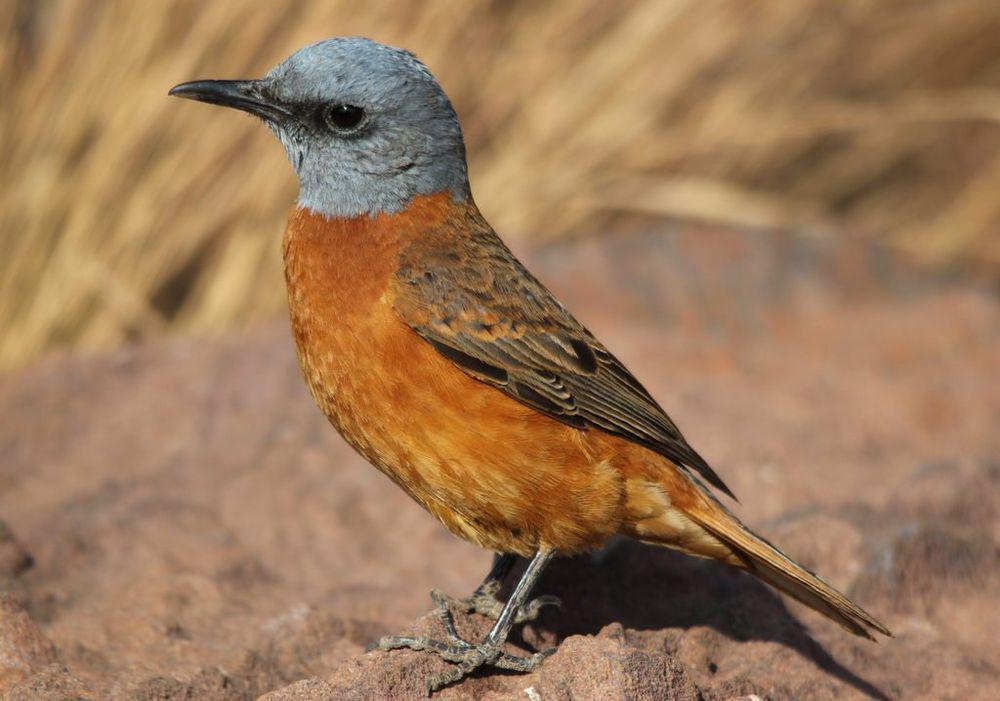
(24, 649)
(51, 683)
(14, 559)
(199, 531)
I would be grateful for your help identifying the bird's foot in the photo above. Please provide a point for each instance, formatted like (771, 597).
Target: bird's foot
(484, 601)
(465, 657)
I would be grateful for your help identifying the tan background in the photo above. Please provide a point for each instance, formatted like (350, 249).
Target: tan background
(125, 214)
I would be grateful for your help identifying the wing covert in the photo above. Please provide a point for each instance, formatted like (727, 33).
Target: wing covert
(480, 308)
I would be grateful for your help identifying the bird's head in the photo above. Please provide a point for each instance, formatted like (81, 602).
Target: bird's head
(366, 126)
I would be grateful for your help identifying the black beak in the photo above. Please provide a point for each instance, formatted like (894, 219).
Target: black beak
(243, 95)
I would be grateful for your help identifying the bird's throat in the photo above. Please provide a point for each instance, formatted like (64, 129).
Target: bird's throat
(340, 267)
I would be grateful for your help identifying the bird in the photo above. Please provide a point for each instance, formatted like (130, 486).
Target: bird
(454, 371)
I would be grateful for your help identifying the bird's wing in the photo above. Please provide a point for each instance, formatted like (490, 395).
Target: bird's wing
(479, 307)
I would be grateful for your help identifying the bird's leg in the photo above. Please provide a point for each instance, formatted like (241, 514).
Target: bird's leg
(468, 656)
(484, 599)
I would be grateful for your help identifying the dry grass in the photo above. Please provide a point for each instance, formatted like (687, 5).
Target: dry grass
(124, 214)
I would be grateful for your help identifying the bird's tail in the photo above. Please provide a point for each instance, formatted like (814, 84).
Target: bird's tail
(760, 558)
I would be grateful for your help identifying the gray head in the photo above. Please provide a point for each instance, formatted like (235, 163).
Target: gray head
(366, 126)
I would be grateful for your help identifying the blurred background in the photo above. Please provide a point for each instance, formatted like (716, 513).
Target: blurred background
(126, 215)
(783, 215)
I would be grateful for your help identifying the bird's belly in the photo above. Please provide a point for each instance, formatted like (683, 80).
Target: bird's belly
(494, 471)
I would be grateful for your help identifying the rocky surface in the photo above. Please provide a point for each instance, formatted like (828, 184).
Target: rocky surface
(180, 523)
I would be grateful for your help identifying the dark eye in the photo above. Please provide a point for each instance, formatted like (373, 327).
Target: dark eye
(343, 117)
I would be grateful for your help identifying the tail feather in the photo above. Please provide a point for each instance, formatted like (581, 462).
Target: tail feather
(771, 565)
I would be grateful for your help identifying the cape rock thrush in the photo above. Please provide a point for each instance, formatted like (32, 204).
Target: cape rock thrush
(446, 364)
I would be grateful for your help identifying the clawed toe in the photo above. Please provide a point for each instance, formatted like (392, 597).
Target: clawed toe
(465, 656)
(523, 664)
(530, 611)
(452, 651)
(485, 602)
(503, 661)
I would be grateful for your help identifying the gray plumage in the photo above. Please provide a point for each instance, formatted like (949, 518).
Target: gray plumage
(409, 143)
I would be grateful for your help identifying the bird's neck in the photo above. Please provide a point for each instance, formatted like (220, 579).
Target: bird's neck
(342, 266)
(340, 274)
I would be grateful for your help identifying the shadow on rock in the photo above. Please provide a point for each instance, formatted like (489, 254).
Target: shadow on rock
(645, 588)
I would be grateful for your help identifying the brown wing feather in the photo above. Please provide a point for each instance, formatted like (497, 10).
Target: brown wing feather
(478, 306)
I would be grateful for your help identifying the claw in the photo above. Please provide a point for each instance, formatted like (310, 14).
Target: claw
(465, 657)
(444, 613)
(533, 608)
(435, 682)
(485, 602)
(523, 664)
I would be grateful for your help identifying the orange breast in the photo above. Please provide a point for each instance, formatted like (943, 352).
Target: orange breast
(492, 470)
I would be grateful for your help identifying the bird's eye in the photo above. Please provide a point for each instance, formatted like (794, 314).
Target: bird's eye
(343, 117)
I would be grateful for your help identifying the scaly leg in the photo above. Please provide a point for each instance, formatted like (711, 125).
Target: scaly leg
(484, 599)
(467, 656)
